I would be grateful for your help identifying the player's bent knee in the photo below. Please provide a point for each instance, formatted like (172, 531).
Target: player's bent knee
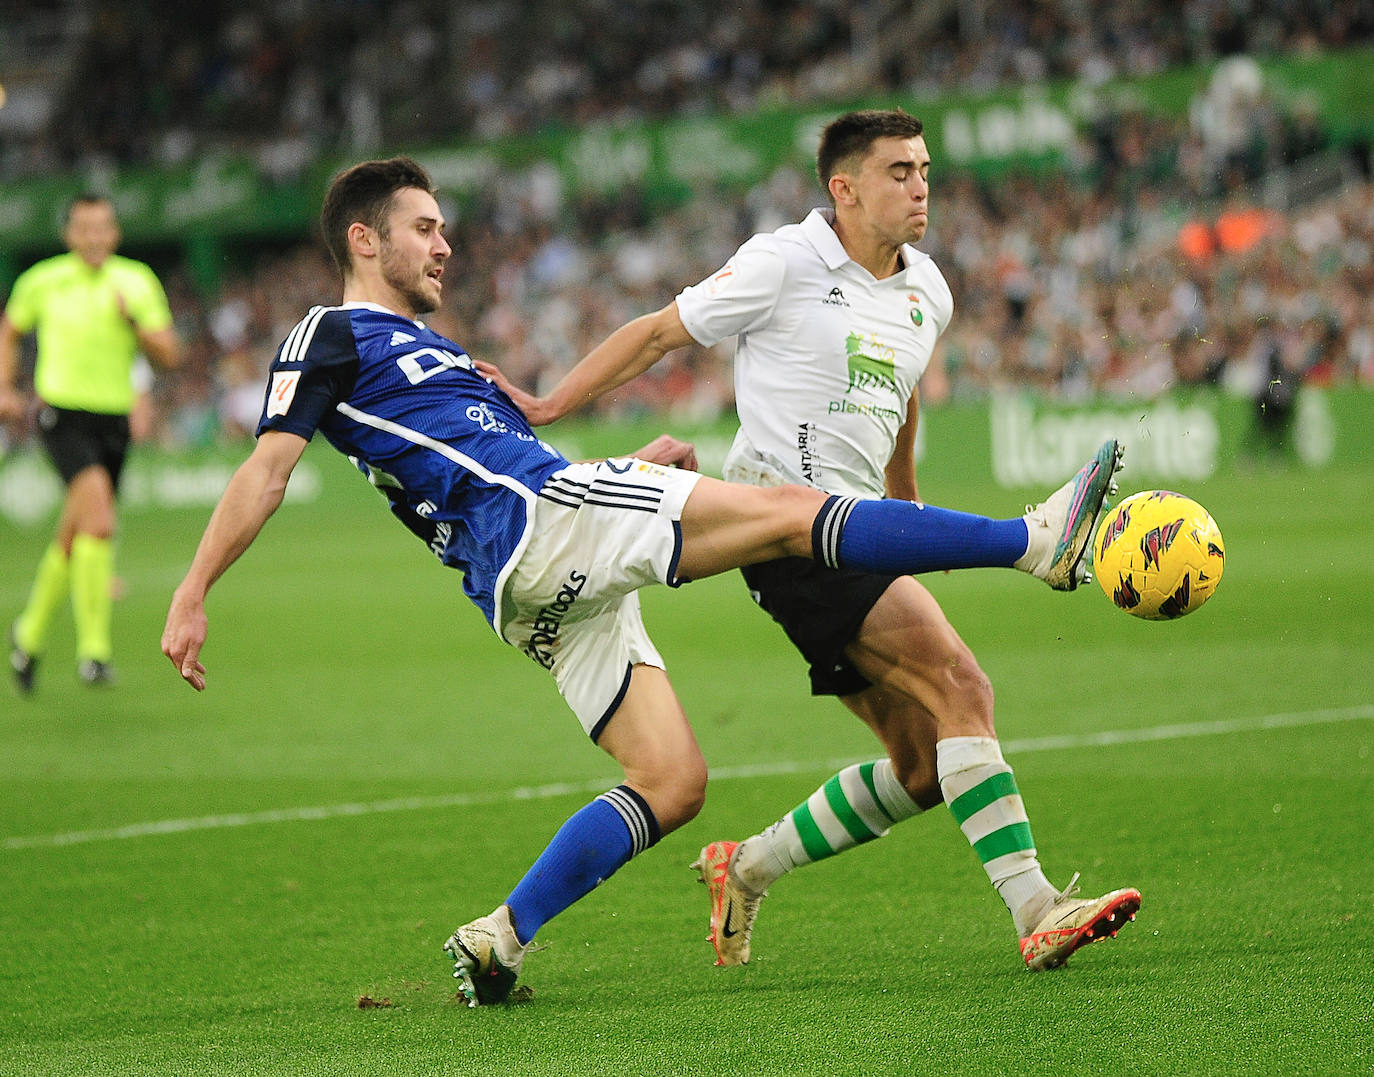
(677, 796)
(795, 508)
(968, 696)
(672, 781)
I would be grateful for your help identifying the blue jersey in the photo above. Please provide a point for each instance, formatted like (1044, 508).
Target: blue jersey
(452, 453)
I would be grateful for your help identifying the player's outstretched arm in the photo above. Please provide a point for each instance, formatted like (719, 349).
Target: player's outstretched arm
(163, 346)
(628, 352)
(253, 495)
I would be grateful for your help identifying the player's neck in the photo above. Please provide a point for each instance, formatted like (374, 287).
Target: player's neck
(357, 290)
(878, 257)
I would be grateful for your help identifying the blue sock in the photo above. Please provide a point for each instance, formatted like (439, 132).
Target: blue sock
(587, 850)
(903, 537)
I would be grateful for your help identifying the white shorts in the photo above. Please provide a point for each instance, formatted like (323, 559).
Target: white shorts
(601, 531)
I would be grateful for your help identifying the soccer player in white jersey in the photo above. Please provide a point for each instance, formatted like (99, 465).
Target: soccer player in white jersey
(553, 552)
(836, 319)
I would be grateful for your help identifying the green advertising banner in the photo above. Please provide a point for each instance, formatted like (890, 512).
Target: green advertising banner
(1015, 441)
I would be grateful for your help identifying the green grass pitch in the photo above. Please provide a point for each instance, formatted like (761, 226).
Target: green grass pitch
(209, 884)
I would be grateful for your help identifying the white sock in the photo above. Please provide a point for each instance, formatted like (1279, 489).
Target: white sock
(981, 792)
(855, 806)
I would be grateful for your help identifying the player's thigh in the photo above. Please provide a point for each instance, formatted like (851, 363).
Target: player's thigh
(650, 737)
(90, 504)
(907, 646)
(728, 525)
(649, 733)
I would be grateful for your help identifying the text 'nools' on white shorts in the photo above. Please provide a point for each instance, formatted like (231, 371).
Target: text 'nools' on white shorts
(601, 531)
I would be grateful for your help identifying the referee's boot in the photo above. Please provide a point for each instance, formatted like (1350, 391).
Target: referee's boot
(23, 665)
(95, 673)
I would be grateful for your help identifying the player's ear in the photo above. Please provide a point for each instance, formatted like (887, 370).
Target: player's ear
(362, 240)
(841, 190)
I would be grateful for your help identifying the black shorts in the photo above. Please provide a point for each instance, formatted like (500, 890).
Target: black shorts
(821, 610)
(78, 439)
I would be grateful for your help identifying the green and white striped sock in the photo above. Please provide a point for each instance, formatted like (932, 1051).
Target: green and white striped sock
(855, 806)
(981, 792)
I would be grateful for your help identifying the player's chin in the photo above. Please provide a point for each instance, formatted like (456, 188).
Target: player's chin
(427, 299)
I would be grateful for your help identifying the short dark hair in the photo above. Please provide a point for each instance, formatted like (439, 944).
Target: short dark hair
(852, 134)
(86, 198)
(364, 193)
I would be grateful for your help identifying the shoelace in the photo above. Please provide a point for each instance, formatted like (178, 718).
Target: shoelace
(1068, 891)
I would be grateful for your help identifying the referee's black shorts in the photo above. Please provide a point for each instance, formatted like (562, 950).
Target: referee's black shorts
(821, 609)
(77, 440)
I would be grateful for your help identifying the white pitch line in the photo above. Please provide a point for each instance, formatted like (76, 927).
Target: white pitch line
(1107, 738)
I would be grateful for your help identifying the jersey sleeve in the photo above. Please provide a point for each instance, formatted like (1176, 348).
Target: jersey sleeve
(315, 368)
(22, 307)
(738, 297)
(146, 302)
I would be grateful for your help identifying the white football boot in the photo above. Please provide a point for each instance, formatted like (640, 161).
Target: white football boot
(1070, 923)
(733, 907)
(486, 958)
(1060, 528)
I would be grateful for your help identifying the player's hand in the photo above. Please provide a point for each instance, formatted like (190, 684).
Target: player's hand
(536, 409)
(183, 637)
(122, 305)
(668, 450)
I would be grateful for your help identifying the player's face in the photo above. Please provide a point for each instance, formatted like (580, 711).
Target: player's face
(893, 190)
(92, 232)
(414, 251)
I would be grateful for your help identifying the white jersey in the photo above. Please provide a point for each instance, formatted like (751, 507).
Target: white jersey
(827, 357)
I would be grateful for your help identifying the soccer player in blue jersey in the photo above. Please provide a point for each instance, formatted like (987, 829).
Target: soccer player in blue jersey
(552, 552)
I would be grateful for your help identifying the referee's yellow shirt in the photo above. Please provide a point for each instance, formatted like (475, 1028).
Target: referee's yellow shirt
(86, 347)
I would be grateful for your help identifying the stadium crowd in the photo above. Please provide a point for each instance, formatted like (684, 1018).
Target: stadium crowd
(1057, 287)
(1150, 262)
(152, 82)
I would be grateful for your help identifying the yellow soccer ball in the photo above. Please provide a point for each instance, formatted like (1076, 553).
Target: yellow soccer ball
(1158, 555)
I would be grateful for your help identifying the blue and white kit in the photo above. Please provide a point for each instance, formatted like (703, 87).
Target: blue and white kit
(463, 470)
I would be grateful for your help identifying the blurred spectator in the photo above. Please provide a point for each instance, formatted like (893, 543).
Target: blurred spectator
(1281, 363)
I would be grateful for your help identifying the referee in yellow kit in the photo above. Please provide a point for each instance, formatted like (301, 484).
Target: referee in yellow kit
(93, 311)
